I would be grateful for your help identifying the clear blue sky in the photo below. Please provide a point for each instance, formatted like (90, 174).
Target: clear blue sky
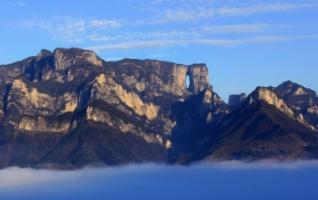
(245, 43)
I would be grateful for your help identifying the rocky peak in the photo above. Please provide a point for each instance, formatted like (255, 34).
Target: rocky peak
(270, 97)
(43, 53)
(290, 88)
(297, 95)
(300, 98)
(199, 77)
(60, 66)
(64, 58)
(236, 100)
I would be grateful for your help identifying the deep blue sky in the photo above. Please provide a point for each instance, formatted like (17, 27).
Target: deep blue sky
(244, 42)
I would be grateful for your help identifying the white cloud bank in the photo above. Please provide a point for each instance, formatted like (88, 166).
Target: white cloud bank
(224, 180)
(15, 178)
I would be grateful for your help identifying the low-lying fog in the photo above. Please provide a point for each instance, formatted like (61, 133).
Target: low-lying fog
(229, 180)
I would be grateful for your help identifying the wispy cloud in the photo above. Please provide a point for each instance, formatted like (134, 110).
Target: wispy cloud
(13, 3)
(19, 3)
(70, 28)
(177, 23)
(103, 30)
(238, 28)
(144, 44)
(103, 23)
(140, 44)
(261, 8)
(191, 33)
(186, 15)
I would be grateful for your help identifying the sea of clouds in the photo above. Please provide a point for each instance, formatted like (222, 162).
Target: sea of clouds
(224, 180)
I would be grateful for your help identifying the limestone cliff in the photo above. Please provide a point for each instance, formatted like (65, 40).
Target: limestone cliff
(59, 93)
(70, 108)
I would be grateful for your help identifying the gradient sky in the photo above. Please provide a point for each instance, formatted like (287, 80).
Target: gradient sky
(245, 43)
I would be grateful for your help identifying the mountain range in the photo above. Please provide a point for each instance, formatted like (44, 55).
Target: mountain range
(70, 108)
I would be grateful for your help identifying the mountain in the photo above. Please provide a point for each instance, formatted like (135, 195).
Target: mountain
(69, 108)
(301, 99)
(264, 127)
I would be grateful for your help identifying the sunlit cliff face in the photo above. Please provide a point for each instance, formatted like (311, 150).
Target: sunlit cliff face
(271, 97)
(106, 85)
(121, 85)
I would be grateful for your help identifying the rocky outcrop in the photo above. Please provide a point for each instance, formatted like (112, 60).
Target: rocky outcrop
(198, 75)
(158, 78)
(28, 109)
(301, 99)
(236, 100)
(98, 115)
(106, 89)
(271, 98)
(65, 58)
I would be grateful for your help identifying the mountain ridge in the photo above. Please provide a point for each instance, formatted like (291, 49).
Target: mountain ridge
(70, 108)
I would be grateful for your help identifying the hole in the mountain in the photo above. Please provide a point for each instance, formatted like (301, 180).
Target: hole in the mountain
(187, 82)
